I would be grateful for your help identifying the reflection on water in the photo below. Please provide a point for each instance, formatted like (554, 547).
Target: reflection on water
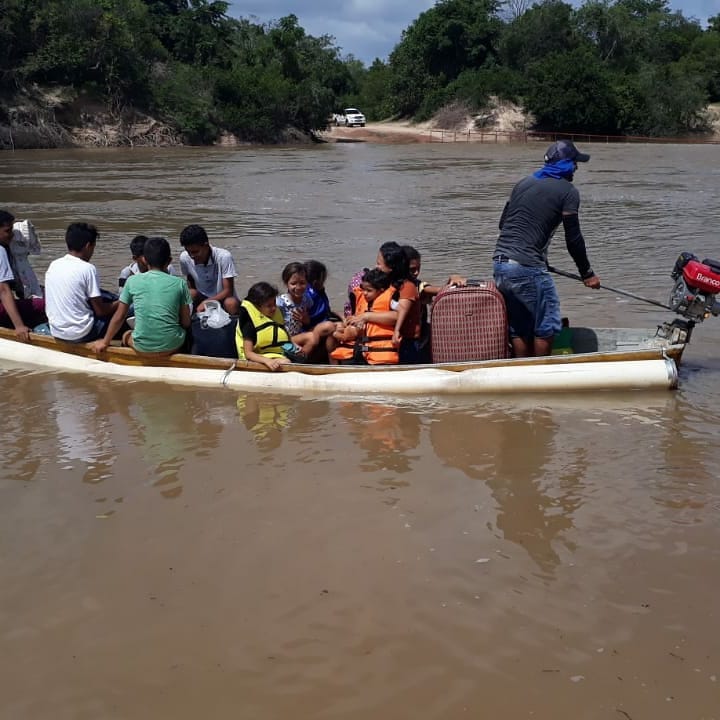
(265, 418)
(511, 540)
(85, 442)
(99, 431)
(386, 433)
(515, 454)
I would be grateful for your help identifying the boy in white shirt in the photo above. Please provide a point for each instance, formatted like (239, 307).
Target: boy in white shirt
(74, 305)
(210, 271)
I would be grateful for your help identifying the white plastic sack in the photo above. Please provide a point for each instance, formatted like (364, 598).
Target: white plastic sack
(25, 239)
(25, 242)
(213, 316)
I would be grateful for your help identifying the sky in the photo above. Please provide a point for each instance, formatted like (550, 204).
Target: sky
(369, 29)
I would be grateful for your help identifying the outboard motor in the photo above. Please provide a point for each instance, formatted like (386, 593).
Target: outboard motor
(693, 297)
(696, 285)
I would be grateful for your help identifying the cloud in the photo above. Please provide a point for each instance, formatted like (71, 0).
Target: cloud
(368, 29)
(365, 29)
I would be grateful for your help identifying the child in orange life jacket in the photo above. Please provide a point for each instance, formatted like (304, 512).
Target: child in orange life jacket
(375, 321)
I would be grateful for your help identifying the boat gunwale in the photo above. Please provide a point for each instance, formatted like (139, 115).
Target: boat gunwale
(127, 356)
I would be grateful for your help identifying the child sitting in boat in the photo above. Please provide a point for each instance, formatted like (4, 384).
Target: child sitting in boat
(296, 307)
(138, 264)
(162, 306)
(353, 284)
(261, 335)
(323, 321)
(320, 311)
(210, 271)
(375, 323)
(426, 290)
(427, 294)
(77, 310)
(294, 304)
(19, 312)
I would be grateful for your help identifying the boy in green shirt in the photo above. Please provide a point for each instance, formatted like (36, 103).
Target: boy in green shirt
(162, 306)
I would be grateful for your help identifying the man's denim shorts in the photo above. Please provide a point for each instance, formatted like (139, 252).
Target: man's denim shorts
(97, 331)
(531, 298)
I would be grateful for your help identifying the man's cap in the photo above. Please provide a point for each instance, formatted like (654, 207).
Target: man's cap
(564, 150)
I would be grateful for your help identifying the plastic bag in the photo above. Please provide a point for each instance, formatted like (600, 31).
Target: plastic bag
(25, 239)
(213, 316)
(25, 242)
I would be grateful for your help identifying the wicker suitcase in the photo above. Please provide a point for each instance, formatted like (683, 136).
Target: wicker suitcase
(469, 323)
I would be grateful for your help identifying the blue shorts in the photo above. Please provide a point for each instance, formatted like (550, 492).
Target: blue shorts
(532, 301)
(97, 331)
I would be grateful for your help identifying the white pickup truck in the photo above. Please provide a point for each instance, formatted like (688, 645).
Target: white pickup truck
(350, 117)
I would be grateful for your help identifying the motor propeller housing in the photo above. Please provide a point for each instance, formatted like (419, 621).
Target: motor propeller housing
(696, 286)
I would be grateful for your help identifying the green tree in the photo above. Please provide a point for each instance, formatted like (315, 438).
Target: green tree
(442, 42)
(374, 94)
(255, 103)
(106, 44)
(631, 33)
(571, 91)
(281, 77)
(16, 43)
(546, 28)
(196, 32)
(660, 101)
(184, 95)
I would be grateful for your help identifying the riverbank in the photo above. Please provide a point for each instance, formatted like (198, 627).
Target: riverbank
(57, 118)
(504, 120)
(42, 118)
(503, 123)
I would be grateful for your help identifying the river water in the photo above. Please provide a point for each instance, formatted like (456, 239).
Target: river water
(170, 552)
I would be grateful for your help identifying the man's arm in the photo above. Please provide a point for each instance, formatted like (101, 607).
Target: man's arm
(428, 291)
(22, 332)
(194, 292)
(228, 275)
(102, 308)
(115, 324)
(185, 316)
(228, 290)
(185, 272)
(576, 247)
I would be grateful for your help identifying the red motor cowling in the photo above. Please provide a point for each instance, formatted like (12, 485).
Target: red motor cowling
(696, 285)
(702, 276)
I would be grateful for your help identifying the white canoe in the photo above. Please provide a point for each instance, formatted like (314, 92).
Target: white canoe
(609, 359)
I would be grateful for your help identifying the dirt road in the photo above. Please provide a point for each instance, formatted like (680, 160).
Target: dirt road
(386, 132)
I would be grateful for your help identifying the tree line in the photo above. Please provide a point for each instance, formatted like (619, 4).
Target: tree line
(612, 67)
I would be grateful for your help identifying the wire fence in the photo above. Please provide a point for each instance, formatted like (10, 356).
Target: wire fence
(519, 136)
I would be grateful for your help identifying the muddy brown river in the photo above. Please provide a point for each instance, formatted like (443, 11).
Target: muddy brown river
(168, 552)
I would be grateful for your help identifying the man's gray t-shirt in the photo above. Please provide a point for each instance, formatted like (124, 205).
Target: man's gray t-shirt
(209, 278)
(534, 211)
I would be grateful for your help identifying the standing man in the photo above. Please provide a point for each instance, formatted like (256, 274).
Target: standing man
(537, 206)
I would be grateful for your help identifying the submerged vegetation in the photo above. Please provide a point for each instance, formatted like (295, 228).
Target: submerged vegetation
(195, 73)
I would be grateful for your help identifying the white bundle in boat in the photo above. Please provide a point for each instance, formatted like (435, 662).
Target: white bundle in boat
(25, 242)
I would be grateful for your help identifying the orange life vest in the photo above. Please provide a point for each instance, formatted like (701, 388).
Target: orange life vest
(374, 344)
